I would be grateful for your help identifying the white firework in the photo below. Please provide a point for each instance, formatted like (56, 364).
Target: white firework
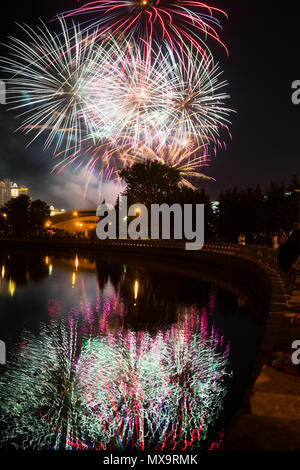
(48, 74)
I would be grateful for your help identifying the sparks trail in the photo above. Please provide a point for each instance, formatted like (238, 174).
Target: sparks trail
(181, 22)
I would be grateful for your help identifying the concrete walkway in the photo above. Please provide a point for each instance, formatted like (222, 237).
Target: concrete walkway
(269, 418)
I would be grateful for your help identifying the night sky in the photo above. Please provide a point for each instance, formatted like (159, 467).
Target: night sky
(264, 60)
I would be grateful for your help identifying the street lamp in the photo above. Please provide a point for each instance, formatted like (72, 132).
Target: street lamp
(4, 215)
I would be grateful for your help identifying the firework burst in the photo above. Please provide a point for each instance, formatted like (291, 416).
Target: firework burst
(154, 109)
(180, 22)
(132, 105)
(188, 159)
(197, 102)
(159, 99)
(102, 104)
(48, 74)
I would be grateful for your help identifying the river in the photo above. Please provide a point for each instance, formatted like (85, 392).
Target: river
(113, 352)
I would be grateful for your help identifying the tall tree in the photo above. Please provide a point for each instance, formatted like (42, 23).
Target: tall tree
(18, 215)
(155, 183)
(24, 216)
(150, 182)
(39, 213)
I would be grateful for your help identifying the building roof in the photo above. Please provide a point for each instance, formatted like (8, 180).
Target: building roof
(70, 215)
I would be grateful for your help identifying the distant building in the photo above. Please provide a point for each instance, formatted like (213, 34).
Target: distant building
(10, 190)
(54, 211)
(76, 221)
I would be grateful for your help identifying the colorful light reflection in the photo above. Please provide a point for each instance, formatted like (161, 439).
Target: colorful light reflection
(119, 390)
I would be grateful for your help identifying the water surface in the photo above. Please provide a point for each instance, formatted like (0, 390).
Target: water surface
(115, 353)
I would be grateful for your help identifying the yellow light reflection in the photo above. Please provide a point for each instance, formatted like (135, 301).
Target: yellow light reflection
(50, 269)
(136, 289)
(76, 262)
(11, 287)
(73, 280)
(3, 272)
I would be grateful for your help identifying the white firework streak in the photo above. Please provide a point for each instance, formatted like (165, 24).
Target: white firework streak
(197, 103)
(48, 75)
(158, 100)
(133, 105)
(152, 109)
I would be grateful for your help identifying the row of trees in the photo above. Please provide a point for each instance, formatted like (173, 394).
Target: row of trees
(252, 211)
(23, 217)
(255, 212)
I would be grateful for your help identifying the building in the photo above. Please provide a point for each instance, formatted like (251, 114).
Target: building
(54, 211)
(10, 190)
(75, 222)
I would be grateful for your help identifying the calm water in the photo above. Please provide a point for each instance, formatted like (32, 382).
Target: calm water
(111, 353)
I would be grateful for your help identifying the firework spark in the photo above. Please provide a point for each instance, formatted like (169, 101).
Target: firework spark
(154, 109)
(182, 22)
(100, 104)
(196, 104)
(187, 159)
(48, 74)
(158, 100)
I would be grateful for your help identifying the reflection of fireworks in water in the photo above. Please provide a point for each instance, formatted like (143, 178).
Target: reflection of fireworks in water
(39, 403)
(145, 21)
(156, 392)
(125, 390)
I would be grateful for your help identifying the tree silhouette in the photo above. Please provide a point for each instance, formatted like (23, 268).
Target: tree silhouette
(25, 217)
(39, 213)
(150, 182)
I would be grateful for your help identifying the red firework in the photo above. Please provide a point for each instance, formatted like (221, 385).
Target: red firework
(179, 22)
